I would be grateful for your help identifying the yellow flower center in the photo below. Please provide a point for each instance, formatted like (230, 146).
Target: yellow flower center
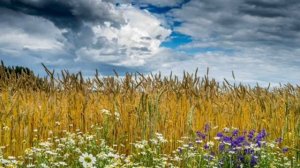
(88, 159)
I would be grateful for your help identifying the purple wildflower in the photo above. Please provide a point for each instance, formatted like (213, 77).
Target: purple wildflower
(179, 150)
(210, 157)
(248, 151)
(241, 158)
(238, 141)
(201, 135)
(279, 140)
(258, 143)
(220, 134)
(285, 149)
(206, 128)
(221, 147)
(251, 135)
(260, 137)
(235, 132)
(206, 146)
(227, 139)
(253, 161)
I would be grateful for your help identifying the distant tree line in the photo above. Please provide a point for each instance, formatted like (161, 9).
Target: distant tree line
(19, 77)
(17, 70)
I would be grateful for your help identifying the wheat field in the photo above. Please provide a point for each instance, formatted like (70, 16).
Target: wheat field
(34, 109)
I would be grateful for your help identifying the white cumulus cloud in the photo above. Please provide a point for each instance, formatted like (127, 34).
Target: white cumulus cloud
(130, 45)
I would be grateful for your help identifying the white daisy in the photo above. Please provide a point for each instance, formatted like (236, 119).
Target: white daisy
(87, 160)
(198, 141)
(117, 115)
(210, 143)
(105, 112)
(30, 165)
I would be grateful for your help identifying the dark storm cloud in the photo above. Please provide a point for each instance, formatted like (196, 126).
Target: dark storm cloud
(79, 34)
(74, 17)
(263, 35)
(38, 25)
(73, 20)
(270, 3)
(267, 8)
(66, 14)
(262, 12)
(158, 3)
(273, 22)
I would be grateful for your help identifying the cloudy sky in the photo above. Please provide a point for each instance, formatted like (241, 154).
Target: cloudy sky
(257, 39)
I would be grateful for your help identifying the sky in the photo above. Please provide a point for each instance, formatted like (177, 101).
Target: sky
(257, 39)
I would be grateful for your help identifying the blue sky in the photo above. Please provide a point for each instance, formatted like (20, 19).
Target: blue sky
(257, 39)
(176, 40)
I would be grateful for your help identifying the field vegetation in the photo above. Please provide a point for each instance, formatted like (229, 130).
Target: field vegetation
(141, 120)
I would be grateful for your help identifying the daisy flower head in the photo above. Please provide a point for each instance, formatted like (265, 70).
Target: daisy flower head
(87, 160)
